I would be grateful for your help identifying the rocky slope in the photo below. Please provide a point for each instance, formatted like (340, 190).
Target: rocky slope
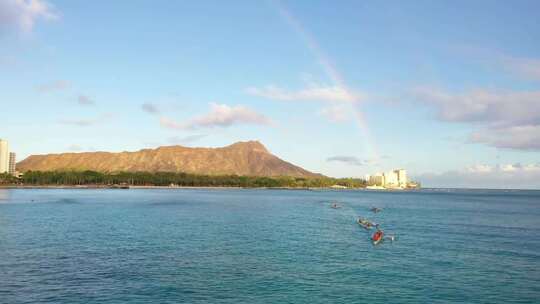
(242, 158)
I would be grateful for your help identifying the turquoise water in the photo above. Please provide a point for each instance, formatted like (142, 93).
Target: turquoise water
(267, 246)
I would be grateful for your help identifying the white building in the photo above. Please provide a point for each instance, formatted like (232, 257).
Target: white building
(402, 177)
(391, 179)
(377, 179)
(4, 156)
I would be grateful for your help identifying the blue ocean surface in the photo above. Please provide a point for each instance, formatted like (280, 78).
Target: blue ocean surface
(268, 246)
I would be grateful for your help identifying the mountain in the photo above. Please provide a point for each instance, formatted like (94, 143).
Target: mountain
(242, 158)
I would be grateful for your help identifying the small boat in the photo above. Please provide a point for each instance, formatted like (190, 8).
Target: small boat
(377, 237)
(335, 206)
(376, 210)
(365, 223)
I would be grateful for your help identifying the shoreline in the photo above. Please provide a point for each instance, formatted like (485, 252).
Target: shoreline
(105, 187)
(95, 187)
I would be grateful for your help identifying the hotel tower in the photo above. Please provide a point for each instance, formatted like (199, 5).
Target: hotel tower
(4, 156)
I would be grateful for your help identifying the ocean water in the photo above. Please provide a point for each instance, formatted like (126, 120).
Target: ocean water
(268, 246)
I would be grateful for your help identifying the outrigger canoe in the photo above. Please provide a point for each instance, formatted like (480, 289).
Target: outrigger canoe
(377, 237)
(365, 224)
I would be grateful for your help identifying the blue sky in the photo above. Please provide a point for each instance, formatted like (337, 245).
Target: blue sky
(448, 90)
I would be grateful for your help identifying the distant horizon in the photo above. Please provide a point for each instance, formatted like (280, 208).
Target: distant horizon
(413, 177)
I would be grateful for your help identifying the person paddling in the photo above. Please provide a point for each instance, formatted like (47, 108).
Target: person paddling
(377, 236)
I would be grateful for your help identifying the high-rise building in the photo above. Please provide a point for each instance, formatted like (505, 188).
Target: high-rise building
(391, 179)
(12, 162)
(4, 156)
(402, 177)
(394, 179)
(377, 179)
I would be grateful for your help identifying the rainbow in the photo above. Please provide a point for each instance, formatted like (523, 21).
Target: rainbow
(331, 71)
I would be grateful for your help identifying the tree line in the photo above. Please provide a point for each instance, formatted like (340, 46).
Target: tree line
(73, 178)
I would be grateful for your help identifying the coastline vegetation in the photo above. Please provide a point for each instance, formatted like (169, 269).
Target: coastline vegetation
(90, 178)
(8, 179)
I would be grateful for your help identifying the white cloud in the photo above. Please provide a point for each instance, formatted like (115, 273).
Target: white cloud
(526, 67)
(339, 101)
(483, 105)
(23, 14)
(509, 120)
(220, 115)
(85, 100)
(150, 108)
(312, 92)
(352, 160)
(57, 85)
(479, 168)
(510, 176)
(509, 168)
(349, 160)
(519, 137)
